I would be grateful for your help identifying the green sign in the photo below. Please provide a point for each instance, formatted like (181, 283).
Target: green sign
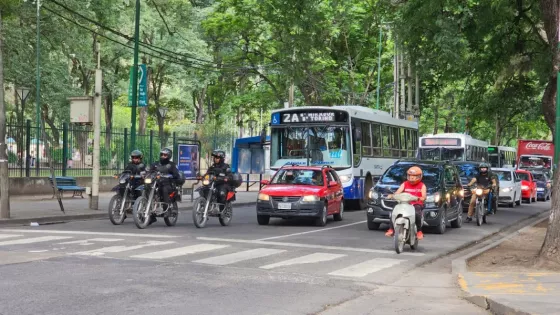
(142, 87)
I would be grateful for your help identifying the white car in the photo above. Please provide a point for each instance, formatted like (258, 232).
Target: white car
(510, 186)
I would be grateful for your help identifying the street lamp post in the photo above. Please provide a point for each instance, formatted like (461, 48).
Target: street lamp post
(162, 113)
(251, 123)
(22, 93)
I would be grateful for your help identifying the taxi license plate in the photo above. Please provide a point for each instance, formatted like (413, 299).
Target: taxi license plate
(284, 205)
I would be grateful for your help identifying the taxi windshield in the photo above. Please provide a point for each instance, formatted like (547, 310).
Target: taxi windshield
(298, 177)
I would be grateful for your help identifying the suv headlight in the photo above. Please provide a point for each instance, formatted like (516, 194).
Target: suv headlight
(433, 198)
(507, 189)
(310, 198)
(373, 194)
(263, 197)
(345, 178)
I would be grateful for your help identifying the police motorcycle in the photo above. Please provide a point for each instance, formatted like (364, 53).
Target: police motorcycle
(207, 205)
(123, 200)
(150, 203)
(483, 204)
(403, 217)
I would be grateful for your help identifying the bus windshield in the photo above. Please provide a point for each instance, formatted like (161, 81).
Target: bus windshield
(455, 154)
(319, 145)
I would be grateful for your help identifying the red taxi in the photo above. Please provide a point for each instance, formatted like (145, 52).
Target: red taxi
(528, 185)
(301, 191)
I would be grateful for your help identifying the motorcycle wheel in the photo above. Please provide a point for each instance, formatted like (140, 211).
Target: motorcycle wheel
(415, 245)
(479, 210)
(172, 215)
(399, 238)
(115, 216)
(140, 220)
(225, 217)
(484, 219)
(198, 212)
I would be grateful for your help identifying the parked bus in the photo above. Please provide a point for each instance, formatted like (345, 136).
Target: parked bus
(358, 142)
(452, 147)
(502, 157)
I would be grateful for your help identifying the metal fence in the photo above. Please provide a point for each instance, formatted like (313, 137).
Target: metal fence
(71, 147)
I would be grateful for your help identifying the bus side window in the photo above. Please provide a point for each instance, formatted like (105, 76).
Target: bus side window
(386, 144)
(376, 138)
(357, 145)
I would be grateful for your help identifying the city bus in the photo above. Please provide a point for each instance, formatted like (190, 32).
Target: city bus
(360, 143)
(502, 157)
(452, 147)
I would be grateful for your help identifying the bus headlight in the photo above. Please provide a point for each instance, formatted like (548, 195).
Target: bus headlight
(345, 178)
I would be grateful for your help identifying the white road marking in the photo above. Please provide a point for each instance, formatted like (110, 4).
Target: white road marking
(314, 231)
(181, 251)
(87, 242)
(350, 249)
(239, 256)
(118, 249)
(39, 251)
(2, 236)
(34, 240)
(366, 267)
(307, 259)
(89, 233)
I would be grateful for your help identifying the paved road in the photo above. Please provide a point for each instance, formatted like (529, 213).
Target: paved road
(287, 267)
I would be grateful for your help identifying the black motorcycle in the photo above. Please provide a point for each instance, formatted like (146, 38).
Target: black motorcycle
(482, 203)
(122, 201)
(149, 203)
(207, 204)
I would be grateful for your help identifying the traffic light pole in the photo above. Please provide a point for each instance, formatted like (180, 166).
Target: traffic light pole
(135, 78)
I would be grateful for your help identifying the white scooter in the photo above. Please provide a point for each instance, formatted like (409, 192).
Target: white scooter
(404, 218)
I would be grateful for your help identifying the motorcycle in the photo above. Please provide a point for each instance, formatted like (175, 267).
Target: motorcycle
(149, 202)
(207, 202)
(404, 218)
(124, 198)
(483, 205)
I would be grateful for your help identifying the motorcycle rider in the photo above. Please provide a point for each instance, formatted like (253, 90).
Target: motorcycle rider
(136, 166)
(482, 179)
(414, 186)
(219, 166)
(166, 166)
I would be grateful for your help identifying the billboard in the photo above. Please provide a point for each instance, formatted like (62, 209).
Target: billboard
(187, 162)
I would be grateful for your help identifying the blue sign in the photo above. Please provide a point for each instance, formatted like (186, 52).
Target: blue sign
(188, 160)
(276, 119)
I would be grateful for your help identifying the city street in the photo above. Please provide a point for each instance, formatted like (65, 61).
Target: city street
(287, 267)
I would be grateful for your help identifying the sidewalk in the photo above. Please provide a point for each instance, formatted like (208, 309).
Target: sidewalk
(509, 292)
(43, 209)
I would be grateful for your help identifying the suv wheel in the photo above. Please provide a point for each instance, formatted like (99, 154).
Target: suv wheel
(373, 225)
(442, 226)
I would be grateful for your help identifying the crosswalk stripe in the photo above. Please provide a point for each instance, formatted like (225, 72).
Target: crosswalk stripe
(181, 251)
(87, 242)
(34, 240)
(367, 267)
(239, 256)
(2, 236)
(307, 259)
(136, 235)
(118, 249)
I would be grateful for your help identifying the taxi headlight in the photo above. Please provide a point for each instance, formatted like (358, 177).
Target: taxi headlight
(263, 197)
(310, 198)
(345, 178)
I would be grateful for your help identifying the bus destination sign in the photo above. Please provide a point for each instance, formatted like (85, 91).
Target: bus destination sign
(306, 117)
(441, 142)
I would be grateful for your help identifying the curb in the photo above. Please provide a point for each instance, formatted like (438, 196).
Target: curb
(459, 268)
(80, 217)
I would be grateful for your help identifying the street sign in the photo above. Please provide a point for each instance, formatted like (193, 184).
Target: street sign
(142, 87)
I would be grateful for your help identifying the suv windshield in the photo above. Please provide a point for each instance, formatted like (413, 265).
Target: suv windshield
(503, 175)
(396, 175)
(298, 177)
(467, 172)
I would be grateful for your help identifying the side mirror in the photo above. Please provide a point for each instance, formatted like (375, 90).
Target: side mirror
(265, 182)
(333, 183)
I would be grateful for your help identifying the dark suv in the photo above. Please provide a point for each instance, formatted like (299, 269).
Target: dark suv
(443, 203)
(467, 171)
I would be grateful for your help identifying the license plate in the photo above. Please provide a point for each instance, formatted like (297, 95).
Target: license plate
(284, 205)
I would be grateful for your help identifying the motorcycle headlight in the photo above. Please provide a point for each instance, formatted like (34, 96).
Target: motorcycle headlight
(462, 193)
(345, 178)
(206, 182)
(373, 194)
(310, 198)
(263, 197)
(478, 192)
(122, 181)
(148, 181)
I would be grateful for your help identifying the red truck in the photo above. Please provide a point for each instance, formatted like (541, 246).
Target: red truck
(535, 153)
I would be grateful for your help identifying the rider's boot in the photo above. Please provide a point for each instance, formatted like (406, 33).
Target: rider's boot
(390, 233)
(469, 219)
(153, 219)
(419, 235)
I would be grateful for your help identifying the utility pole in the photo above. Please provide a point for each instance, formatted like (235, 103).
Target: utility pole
(396, 78)
(38, 88)
(135, 78)
(94, 199)
(4, 181)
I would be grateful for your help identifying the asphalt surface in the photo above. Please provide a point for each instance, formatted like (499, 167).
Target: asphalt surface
(287, 267)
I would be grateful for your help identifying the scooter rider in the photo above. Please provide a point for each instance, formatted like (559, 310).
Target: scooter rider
(483, 179)
(414, 186)
(165, 166)
(219, 164)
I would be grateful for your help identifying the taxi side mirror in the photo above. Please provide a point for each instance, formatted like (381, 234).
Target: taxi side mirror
(332, 183)
(265, 182)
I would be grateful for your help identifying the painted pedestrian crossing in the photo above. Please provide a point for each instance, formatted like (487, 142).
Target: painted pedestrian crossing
(327, 261)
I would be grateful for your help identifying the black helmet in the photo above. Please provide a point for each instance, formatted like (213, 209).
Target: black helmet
(165, 151)
(483, 165)
(136, 153)
(219, 154)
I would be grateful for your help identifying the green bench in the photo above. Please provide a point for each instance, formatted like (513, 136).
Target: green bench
(66, 184)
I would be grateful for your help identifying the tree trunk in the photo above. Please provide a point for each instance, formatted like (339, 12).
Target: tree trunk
(436, 118)
(108, 120)
(4, 183)
(551, 245)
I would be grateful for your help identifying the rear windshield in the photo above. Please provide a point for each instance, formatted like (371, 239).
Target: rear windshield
(396, 175)
(523, 176)
(539, 176)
